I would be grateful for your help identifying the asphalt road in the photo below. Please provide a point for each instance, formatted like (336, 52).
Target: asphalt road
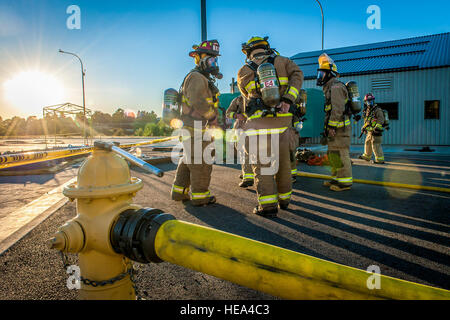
(404, 232)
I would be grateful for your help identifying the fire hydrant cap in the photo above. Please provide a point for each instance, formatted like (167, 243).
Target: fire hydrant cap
(103, 174)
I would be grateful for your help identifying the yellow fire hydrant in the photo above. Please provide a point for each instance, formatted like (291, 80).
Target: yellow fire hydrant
(110, 232)
(104, 189)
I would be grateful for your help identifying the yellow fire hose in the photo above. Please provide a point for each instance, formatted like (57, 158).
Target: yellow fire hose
(19, 159)
(273, 270)
(379, 183)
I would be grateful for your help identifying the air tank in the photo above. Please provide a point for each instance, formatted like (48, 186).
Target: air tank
(354, 101)
(171, 109)
(270, 89)
(303, 97)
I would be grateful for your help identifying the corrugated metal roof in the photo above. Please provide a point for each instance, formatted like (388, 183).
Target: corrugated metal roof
(424, 52)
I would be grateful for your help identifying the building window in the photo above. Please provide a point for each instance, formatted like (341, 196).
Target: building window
(432, 109)
(391, 108)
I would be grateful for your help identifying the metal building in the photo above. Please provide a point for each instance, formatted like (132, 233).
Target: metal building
(410, 78)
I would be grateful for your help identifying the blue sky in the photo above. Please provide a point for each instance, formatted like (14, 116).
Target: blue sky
(134, 50)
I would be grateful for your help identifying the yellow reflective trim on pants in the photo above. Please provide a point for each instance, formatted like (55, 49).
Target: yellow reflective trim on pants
(258, 114)
(328, 107)
(285, 196)
(349, 179)
(265, 131)
(200, 195)
(268, 199)
(333, 123)
(179, 189)
(249, 176)
(339, 124)
(346, 123)
(294, 171)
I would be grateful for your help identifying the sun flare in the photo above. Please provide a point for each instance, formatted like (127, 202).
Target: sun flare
(30, 91)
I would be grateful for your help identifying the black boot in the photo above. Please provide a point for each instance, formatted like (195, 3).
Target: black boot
(283, 206)
(266, 213)
(246, 183)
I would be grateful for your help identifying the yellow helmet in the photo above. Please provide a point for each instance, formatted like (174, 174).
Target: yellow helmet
(253, 43)
(326, 63)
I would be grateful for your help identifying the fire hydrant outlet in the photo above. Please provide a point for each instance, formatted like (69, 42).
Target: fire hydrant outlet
(134, 234)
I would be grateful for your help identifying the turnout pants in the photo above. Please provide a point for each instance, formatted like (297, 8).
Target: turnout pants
(246, 168)
(293, 145)
(273, 180)
(373, 145)
(191, 176)
(339, 157)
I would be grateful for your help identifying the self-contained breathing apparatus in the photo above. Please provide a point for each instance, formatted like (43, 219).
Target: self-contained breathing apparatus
(173, 99)
(268, 86)
(353, 105)
(171, 106)
(352, 108)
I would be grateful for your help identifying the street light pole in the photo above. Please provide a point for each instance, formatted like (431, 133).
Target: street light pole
(203, 18)
(321, 11)
(82, 82)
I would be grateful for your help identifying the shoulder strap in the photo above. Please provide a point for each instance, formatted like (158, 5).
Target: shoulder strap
(271, 58)
(252, 65)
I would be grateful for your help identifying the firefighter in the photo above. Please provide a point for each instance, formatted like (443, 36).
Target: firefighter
(373, 127)
(270, 84)
(236, 111)
(337, 128)
(199, 101)
(297, 123)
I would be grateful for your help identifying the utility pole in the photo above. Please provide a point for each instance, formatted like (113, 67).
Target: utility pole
(203, 17)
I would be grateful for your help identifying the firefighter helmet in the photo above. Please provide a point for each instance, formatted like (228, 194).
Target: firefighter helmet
(369, 97)
(327, 69)
(326, 63)
(210, 47)
(255, 43)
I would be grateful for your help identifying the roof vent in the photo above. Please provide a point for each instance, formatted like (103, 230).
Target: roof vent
(381, 84)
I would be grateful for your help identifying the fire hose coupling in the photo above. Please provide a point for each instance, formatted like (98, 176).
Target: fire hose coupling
(134, 233)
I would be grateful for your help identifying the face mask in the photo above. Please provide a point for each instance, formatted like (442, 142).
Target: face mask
(370, 103)
(321, 75)
(210, 64)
